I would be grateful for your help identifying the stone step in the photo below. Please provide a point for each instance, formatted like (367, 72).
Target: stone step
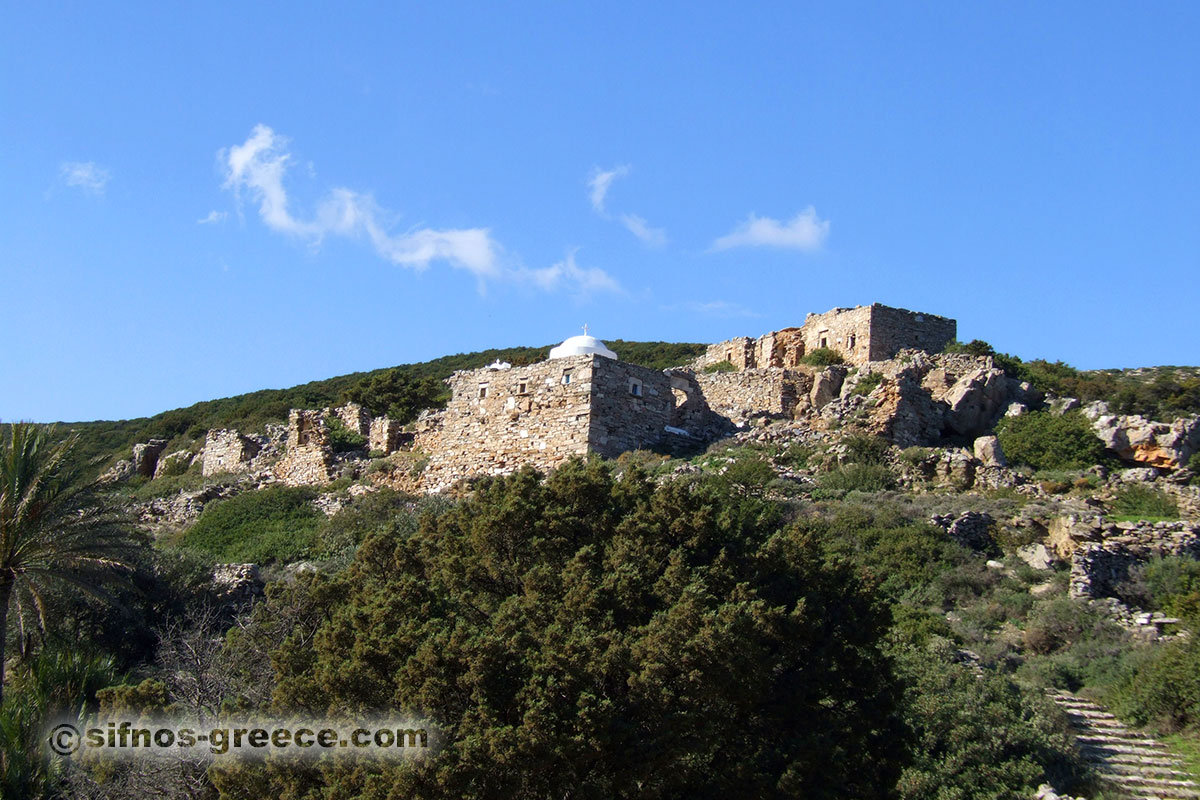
(1145, 747)
(1149, 770)
(1143, 783)
(1125, 758)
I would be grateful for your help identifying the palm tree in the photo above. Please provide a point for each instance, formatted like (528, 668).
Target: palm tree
(51, 531)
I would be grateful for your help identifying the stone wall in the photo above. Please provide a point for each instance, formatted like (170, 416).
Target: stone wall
(226, 450)
(1098, 568)
(846, 330)
(308, 458)
(895, 329)
(738, 351)
(631, 407)
(354, 417)
(500, 420)
(145, 456)
(385, 435)
(740, 396)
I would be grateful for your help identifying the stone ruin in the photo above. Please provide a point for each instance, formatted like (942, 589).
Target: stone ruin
(861, 334)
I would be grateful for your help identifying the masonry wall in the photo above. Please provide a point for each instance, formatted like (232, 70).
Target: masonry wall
(739, 396)
(847, 330)
(631, 405)
(526, 415)
(739, 351)
(308, 458)
(894, 329)
(226, 450)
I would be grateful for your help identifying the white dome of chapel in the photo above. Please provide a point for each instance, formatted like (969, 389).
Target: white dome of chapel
(582, 346)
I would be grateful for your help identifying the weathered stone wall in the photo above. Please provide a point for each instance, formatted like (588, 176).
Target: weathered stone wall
(145, 456)
(631, 406)
(894, 329)
(738, 351)
(783, 348)
(226, 450)
(385, 435)
(740, 396)
(308, 458)
(354, 417)
(500, 420)
(847, 330)
(1098, 568)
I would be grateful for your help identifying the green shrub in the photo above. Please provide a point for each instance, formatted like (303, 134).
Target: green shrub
(868, 383)
(1162, 687)
(855, 477)
(822, 357)
(341, 438)
(863, 448)
(720, 366)
(1046, 441)
(1144, 503)
(1170, 584)
(914, 456)
(977, 736)
(276, 524)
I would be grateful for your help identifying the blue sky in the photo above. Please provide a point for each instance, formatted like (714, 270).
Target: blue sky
(202, 200)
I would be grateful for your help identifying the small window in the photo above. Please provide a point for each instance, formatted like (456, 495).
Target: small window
(483, 391)
(635, 388)
(852, 340)
(824, 341)
(566, 377)
(522, 388)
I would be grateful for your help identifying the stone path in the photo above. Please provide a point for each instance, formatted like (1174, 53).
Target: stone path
(1141, 766)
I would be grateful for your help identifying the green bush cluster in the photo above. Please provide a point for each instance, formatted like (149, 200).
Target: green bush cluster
(822, 357)
(341, 438)
(1144, 503)
(720, 366)
(277, 524)
(552, 628)
(1046, 441)
(868, 383)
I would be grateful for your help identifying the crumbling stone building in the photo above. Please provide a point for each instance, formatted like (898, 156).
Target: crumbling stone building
(861, 334)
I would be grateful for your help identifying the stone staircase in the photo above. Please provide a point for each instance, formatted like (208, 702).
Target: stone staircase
(1143, 768)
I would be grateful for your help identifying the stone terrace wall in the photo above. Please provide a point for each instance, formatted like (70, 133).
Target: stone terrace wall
(226, 450)
(893, 329)
(622, 419)
(527, 415)
(739, 396)
(1099, 568)
(847, 330)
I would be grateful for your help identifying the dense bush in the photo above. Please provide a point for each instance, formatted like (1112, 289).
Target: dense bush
(341, 438)
(720, 366)
(595, 637)
(976, 736)
(1170, 584)
(1162, 687)
(1046, 441)
(822, 357)
(276, 524)
(838, 481)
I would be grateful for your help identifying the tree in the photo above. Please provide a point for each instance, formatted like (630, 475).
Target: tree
(51, 530)
(589, 636)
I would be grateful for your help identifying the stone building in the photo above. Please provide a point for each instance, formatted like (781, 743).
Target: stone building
(582, 400)
(861, 334)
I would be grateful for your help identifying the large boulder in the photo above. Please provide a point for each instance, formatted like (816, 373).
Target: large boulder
(827, 385)
(988, 451)
(975, 400)
(1154, 444)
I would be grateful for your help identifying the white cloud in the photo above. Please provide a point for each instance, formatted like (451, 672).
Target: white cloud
(805, 231)
(599, 185)
(86, 175)
(213, 217)
(715, 308)
(258, 166)
(655, 237)
(566, 274)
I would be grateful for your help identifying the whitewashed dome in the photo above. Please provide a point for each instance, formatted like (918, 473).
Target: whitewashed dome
(582, 346)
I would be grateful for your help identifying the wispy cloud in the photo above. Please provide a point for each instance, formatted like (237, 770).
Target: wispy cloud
(212, 218)
(598, 187)
(568, 274)
(257, 168)
(655, 237)
(806, 231)
(715, 308)
(600, 183)
(86, 175)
